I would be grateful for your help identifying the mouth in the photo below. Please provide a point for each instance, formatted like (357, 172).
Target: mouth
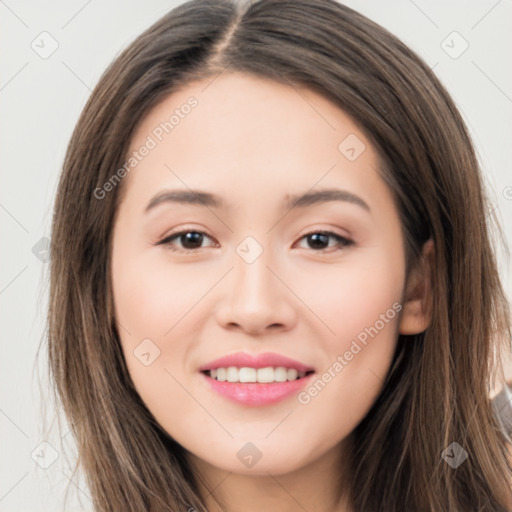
(258, 380)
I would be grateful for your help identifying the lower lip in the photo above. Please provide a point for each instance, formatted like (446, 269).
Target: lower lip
(257, 394)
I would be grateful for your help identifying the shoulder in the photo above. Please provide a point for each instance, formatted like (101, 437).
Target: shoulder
(502, 405)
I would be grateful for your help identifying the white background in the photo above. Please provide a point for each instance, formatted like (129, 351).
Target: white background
(41, 100)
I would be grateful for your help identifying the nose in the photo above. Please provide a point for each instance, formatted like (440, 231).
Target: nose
(256, 298)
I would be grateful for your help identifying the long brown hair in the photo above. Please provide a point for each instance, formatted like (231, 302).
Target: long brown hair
(438, 387)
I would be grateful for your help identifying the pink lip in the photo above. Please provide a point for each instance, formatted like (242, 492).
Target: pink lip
(255, 393)
(241, 359)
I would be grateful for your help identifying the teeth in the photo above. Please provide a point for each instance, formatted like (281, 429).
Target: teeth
(247, 374)
(263, 375)
(280, 374)
(232, 374)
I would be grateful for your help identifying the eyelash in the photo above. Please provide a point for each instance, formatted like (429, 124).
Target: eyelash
(341, 243)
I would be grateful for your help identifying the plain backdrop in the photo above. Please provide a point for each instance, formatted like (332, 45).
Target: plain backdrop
(53, 55)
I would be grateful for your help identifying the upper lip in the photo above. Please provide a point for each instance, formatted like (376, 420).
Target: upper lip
(242, 359)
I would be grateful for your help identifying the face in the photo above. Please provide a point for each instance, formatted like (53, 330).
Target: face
(308, 290)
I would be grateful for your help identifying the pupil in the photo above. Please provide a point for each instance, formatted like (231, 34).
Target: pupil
(192, 237)
(318, 240)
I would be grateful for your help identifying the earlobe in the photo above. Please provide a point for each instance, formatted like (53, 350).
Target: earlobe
(417, 307)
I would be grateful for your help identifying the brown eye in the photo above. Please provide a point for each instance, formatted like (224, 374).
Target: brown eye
(190, 240)
(319, 240)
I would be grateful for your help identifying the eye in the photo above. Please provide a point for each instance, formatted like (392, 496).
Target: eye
(320, 240)
(191, 240)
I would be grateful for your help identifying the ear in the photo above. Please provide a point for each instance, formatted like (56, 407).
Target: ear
(417, 306)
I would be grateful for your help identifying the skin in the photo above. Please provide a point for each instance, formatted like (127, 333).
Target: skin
(253, 141)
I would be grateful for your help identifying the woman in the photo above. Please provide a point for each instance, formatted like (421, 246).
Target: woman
(264, 370)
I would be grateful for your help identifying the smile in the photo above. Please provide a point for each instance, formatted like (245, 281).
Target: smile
(256, 380)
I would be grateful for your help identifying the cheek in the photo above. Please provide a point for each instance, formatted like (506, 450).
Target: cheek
(151, 296)
(359, 302)
(353, 295)
(154, 303)
(154, 309)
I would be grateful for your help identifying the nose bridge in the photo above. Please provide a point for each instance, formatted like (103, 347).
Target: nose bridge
(255, 298)
(254, 281)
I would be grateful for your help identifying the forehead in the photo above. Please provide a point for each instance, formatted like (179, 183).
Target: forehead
(242, 106)
(251, 134)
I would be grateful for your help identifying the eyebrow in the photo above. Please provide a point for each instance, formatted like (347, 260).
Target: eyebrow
(198, 197)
